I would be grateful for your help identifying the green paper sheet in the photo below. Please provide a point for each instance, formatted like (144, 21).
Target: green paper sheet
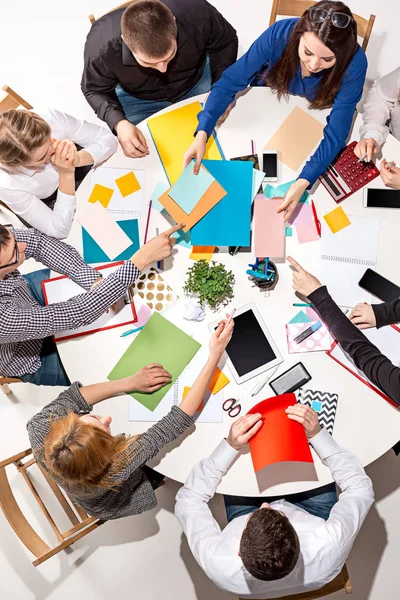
(159, 342)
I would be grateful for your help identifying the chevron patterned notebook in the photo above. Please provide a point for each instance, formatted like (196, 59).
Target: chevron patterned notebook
(323, 403)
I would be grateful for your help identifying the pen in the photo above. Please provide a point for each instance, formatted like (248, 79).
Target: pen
(252, 147)
(233, 250)
(317, 221)
(307, 332)
(131, 331)
(260, 385)
(148, 221)
(303, 304)
(230, 318)
(159, 262)
(363, 157)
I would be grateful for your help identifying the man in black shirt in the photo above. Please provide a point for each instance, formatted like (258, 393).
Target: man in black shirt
(141, 59)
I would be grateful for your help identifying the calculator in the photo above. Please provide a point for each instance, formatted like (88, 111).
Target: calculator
(345, 175)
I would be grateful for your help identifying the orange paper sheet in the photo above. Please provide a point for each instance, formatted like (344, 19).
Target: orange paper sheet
(218, 381)
(202, 252)
(268, 228)
(127, 184)
(101, 193)
(296, 138)
(279, 439)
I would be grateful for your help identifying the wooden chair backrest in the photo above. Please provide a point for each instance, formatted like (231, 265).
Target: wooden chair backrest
(12, 100)
(296, 8)
(81, 523)
(93, 20)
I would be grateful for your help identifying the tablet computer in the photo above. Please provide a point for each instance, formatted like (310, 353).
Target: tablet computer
(251, 350)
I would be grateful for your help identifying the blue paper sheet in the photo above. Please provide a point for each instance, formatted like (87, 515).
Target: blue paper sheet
(92, 253)
(189, 188)
(157, 192)
(279, 191)
(228, 223)
(301, 317)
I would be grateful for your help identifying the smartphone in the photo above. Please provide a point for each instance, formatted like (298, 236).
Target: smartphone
(381, 198)
(379, 286)
(291, 380)
(270, 165)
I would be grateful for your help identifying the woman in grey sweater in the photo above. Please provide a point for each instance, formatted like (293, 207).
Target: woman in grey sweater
(102, 473)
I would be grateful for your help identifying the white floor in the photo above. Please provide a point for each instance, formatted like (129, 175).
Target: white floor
(41, 46)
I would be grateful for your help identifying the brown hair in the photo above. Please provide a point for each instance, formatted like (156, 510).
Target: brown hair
(4, 236)
(86, 456)
(149, 26)
(21, 132)
(269, 547)
(341, 41)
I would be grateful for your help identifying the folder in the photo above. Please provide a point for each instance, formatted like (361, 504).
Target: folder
(268, 228)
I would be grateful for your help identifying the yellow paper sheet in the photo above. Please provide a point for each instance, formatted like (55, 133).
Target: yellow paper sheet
(102, 194)
(127, 184)
(296, 138)
(218, 381)
(337, 219)
(199, 252)
(172, 133)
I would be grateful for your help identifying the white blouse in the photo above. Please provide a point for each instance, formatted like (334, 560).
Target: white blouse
(382, 109)
(23, 189)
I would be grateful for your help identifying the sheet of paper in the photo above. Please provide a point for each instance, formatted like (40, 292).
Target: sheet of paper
(302, 216)
(324, 403)
(190, 188)
(92, 252)
(102, 194)
(337, 219)
(279, 439)
(182, 122)
(228, 223)
(202, 253)
(301, 317)
(307, 234)
(104, 230)
(319, 340)
(157, 192)
(120, 207)
(258, 178)
(158, 342)
(268, 228)
(128, 184)
(279, 191)
(218, 381)
(153, 290)
(296, 138)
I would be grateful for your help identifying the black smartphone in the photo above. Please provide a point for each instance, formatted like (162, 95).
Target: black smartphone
(270, 165)
(381, 198)
(291, 380)
(379, 286)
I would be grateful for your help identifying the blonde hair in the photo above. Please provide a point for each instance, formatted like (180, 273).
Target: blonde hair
(86, 456)
(21, 132)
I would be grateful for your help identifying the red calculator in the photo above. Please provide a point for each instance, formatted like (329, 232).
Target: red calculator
(346, 174)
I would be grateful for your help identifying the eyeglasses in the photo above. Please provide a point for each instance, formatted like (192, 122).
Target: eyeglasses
(338, 19)
(232, 407)
(16, 261)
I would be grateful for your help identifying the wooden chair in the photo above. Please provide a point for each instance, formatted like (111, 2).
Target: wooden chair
(4, 381)
(81, 523)
(296, 8)
(93, 20)
(12, 100)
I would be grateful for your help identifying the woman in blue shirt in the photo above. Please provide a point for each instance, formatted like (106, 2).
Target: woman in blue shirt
(316, 56)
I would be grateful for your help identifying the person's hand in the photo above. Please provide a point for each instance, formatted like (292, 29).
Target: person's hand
(149, 379)
(303, 282)
(158, 248)
(363, 316)
(226, 114)
(306, 416)
(366, 146)
(220, 339)
(64, 155)
(390, 175)
(196, 150)
(292, 197)
(243, 429)
(132, 140)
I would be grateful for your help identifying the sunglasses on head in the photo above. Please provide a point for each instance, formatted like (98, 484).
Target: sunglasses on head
(338, 19)
(16, 261)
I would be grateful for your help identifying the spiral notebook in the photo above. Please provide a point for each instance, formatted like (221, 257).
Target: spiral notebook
(344, 257)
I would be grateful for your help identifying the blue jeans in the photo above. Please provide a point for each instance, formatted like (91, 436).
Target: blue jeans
(316, 502)
(51, 370)
(137, 110)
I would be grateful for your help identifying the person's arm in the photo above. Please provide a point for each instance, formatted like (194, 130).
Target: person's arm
(221, 42)
(387, 313)
(339, 121)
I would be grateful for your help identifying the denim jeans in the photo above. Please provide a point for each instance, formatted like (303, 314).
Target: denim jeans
(51, 370)
(137, 110)
(316, 502)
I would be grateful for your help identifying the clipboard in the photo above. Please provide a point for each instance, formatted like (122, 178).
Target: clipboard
(125, 313)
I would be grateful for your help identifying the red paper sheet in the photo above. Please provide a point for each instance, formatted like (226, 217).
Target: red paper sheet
(280, 439)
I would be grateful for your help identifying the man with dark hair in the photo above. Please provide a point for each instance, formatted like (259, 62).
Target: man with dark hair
(288, 546)
(141, 59)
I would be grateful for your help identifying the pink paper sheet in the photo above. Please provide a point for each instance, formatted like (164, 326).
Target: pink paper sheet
(268, 228)
(307, 234)
(302, 216)
(319, 340)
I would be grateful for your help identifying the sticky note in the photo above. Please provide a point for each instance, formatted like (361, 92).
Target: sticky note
(185, 393)
(157, 192)
(127, 184)
(190, 188)
(337, 219)
(101, 193)
(218, 381)
(202, 252)
(316, 405)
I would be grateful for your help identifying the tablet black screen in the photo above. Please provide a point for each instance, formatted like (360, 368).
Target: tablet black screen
(248, 349)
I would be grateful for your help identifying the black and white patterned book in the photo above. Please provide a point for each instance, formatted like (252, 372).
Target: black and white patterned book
(324, 403)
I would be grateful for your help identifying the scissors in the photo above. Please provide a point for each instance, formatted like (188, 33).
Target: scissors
(232, 407)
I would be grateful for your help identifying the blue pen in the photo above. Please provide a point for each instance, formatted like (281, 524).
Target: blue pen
(307, 332)
(132, 331)
(303, 304)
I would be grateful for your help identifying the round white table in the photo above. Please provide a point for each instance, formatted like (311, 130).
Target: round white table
(365, 423)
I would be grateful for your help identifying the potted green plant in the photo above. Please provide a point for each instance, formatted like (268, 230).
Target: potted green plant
(211, 283)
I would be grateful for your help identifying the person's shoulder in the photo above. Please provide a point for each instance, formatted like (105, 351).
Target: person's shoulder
(358, 62)
(105, 33)
(283, 28)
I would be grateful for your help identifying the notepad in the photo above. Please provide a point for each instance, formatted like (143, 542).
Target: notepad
(104, 230)
(189, 188)
(268, 228)
(158, 342)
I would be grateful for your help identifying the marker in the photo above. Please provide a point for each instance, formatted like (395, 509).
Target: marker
(229, 318)
(307, 332)
(132, 331)
(260, 385)
(303, 304)
(160, 263)
(317, 221)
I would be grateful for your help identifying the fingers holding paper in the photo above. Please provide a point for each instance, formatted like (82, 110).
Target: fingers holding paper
(292, 197)
(306, 416)
(149, 379)
(243, 429)
(197, 151)
(363, 316)
(303, 282)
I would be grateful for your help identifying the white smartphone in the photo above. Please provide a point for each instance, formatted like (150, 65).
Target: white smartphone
(270, 165)
(381, 198)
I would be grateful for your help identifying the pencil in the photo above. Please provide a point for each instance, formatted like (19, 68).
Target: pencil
(148, 221)
(252, 147)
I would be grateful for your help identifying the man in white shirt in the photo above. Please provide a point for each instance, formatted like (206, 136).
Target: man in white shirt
(280, 549)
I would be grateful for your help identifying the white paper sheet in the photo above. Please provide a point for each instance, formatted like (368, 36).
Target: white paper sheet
(104, 230)
(119, 207)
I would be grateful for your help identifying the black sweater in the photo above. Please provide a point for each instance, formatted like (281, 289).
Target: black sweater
(377, 367)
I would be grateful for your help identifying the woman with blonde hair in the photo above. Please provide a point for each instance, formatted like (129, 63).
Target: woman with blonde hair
(104, 474)
(44, 157)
